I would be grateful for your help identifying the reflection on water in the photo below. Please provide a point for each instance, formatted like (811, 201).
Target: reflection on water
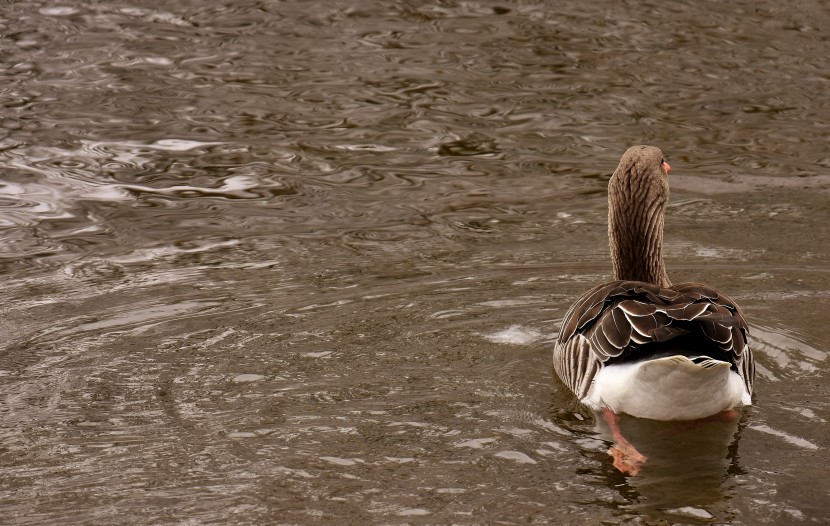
(304, 261)
(687, 463)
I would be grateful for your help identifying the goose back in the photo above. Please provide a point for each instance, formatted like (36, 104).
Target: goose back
(625, 320)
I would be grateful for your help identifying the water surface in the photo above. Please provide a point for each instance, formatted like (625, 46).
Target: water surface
(303, 262)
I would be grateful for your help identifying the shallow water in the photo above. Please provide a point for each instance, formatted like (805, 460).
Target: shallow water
(303, 262)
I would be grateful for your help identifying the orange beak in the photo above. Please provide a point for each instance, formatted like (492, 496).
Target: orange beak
(666, 167)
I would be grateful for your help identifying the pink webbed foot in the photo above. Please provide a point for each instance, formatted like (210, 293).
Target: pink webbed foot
(626, 457)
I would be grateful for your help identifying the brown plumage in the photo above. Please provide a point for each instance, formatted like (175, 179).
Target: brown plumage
(641, 316)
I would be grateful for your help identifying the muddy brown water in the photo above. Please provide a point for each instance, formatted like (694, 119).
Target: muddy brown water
(303, 262)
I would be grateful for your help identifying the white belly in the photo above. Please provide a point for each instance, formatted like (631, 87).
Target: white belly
(670, 388)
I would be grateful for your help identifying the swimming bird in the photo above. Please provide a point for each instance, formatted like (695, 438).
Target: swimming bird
(639, 345)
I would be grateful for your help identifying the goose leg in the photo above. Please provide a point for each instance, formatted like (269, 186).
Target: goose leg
(730, 415)
(626, 457)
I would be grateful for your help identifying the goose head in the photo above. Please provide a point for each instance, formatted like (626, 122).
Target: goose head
(638, 194)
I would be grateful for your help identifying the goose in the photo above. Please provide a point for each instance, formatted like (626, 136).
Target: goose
(639, 345)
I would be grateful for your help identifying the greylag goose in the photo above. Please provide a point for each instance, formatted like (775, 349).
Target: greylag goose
(640, 345)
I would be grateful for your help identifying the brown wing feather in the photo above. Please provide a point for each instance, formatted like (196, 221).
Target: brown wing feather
(576, 365)
(616, 321)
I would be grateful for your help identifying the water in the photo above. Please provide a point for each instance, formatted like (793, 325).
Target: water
(303, 262)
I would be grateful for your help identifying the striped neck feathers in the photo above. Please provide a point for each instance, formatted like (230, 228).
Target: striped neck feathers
(638, 194)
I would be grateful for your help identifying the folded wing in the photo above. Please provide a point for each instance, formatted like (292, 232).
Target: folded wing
(629, 320)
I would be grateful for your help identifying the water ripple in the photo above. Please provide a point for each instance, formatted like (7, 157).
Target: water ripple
(294, 256)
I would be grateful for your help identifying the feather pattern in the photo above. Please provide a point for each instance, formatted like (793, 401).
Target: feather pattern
(640, 344)
(625, 320)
